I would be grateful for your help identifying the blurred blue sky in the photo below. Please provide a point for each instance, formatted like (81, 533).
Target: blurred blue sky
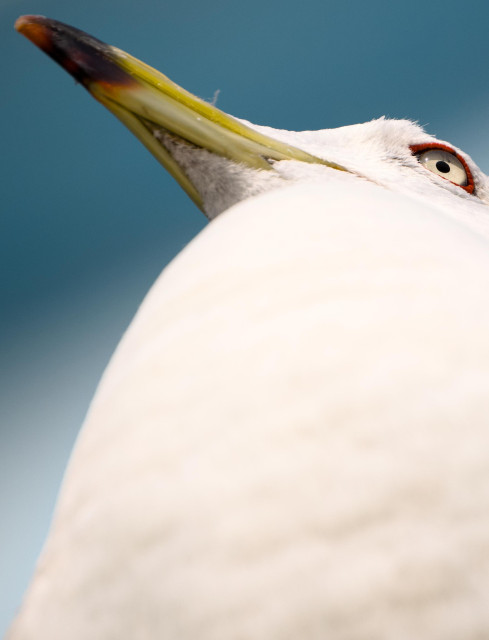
(88, 218)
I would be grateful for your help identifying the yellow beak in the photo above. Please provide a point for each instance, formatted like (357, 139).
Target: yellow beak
(150, 104)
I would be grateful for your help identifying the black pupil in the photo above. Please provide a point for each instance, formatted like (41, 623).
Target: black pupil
(442, 166)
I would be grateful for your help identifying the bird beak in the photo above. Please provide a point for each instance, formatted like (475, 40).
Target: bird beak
(152, 106)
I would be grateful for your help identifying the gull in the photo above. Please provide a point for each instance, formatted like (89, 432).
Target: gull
(291, 439)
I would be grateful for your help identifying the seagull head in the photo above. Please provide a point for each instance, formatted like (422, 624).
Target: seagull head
(220, 160)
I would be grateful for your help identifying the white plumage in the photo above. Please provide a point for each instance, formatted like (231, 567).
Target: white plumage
(291, 440)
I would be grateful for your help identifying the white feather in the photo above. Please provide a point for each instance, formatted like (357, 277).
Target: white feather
(291, 440)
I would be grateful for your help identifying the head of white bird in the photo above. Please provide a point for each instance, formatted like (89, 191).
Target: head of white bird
(220, 160)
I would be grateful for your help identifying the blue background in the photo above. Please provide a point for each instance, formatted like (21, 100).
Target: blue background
(88, 218)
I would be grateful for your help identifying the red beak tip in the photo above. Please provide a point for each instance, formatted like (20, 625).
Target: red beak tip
(35, 29)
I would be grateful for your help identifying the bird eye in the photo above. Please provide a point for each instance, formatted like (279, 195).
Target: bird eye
(445, 163)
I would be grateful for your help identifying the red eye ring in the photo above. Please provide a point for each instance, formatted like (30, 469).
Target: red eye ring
(417, 148)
